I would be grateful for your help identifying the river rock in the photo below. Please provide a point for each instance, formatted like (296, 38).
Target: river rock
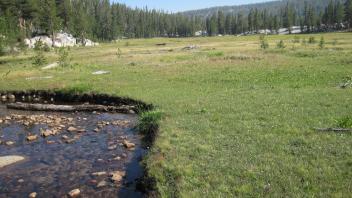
(74, 193)
(117, 176)
(10, 159)
(11, 97)
(128, 144)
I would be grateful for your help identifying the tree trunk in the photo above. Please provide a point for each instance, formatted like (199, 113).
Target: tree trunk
(70, 108)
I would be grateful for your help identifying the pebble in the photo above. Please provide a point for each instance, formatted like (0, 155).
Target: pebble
(72, 129)
(50, 142)
(65, 137)
(32, 137)
(47, 133)
(112, 147)
(102, 184)
(99, 173)
(20, 180)
(117, 158)
(9, 143)
(74, 193)
(33, 195)
(128, 144)
(117, 176)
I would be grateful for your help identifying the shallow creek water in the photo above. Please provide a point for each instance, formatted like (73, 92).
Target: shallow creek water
(55, 165)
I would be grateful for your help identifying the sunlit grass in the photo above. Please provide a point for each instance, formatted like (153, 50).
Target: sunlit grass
(237, 120)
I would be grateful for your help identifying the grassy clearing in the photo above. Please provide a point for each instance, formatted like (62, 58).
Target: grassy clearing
(237, 120)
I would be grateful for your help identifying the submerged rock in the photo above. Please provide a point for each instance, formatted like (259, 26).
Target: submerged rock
(74, 193)
(72, 129)
(9, 143)
(33, 195)
(10, 159)
(102, 184)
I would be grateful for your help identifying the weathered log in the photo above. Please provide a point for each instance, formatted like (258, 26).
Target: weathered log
(338, 130)
(69, 108)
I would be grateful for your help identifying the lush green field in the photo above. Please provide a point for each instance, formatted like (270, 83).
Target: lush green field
(238, 121)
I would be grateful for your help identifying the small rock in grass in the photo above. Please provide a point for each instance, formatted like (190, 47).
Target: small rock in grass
(74, 193)
(117, 176)
(33, 195)
(32, 138)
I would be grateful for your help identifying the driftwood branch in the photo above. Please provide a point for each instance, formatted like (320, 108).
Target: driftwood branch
(338, 130)
(69, 108)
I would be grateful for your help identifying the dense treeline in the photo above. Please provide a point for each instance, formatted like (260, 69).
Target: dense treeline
(335, 16)
(103, 20)
(95, 19)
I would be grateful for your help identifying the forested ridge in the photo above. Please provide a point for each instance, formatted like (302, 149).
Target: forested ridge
(102, 20)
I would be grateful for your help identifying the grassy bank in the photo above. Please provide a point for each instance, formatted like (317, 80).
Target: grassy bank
(238, 121)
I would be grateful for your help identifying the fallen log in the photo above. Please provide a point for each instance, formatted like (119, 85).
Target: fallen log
(338, 130)
(70, 108)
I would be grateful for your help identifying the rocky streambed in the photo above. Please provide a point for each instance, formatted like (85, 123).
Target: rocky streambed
(69, 154)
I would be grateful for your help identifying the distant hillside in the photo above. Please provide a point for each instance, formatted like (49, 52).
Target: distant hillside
(272, 6)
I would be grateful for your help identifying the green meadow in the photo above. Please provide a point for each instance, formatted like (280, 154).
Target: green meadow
(238, 121)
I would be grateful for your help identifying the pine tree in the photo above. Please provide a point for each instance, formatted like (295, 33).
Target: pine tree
(221, 22)
(339, 14)
(228, 23)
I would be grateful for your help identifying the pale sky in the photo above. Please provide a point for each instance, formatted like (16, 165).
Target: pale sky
(184, 5)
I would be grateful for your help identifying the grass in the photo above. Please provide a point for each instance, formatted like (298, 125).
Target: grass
(231, 127)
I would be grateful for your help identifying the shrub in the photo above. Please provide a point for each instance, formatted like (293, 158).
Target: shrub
(39, 58)
(322, 43)
(2, 46)
(64, 59)
(311, 40)
(281, 44)
(345, 122)
(263, 42)
(148, 124)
